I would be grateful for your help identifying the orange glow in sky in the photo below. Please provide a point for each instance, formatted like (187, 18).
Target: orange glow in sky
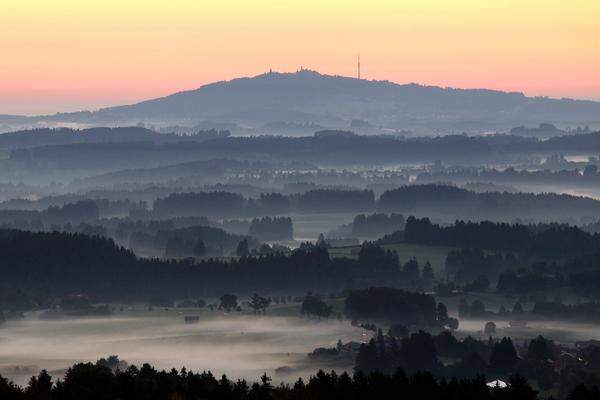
(65, 55)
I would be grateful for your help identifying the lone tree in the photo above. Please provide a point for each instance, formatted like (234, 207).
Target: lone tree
(199, 248)
(313, 306)
(489, 329)
(259, 303)
(228, 302)
(321, 242)
(427, 274)
(242, 248)
(442, 314)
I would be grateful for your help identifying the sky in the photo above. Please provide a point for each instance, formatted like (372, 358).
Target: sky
(65, 55)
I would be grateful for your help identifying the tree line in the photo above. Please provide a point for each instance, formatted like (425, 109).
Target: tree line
(272, 229)
(226, 204)
(96, 381)
(58, 262)
(437, 199)
(548, 240)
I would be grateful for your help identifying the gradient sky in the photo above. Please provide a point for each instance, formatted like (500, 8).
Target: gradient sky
(60, 55)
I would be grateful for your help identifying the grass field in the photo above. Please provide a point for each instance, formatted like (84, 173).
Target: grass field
(436, 255)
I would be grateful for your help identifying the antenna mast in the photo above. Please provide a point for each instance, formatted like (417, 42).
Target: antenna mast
(359, 66)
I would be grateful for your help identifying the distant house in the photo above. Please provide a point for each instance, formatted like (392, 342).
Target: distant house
(191, 319)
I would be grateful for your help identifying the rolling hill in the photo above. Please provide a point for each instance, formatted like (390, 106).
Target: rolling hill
(307, 97)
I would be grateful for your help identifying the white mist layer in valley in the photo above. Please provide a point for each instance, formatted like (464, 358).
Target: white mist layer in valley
(242, 346)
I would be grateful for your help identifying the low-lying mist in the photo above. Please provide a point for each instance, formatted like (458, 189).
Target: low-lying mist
(242, 346)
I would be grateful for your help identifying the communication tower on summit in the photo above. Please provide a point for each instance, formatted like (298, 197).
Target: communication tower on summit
(359, 66)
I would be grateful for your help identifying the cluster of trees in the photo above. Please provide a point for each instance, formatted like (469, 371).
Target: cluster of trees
(259, 303)
(465, 265)
(376, 225)
(226, 204)
(537, 278)
(313, 306)
(199, 241)
(473, 267)
(272, 229)
(385, 264)
(397, 306)
(468, 357)
(84, 211)
(444, 200)
(55, 262)
(483, 235)
(477, 310)
(388, 354)
(229, 302)
(187, 242)
(540, 240)
(421, 351)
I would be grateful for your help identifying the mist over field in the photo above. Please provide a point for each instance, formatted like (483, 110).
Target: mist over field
(239, 346)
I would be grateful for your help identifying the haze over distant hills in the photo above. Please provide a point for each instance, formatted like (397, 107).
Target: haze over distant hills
(307, 98)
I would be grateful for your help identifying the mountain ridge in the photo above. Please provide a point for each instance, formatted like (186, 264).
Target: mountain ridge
(335, 101)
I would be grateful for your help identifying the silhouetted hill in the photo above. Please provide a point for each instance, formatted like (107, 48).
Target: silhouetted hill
(334, 101)
(49, 137)
(65, 136)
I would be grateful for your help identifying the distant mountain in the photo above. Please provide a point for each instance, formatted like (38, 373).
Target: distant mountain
(307, 97)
